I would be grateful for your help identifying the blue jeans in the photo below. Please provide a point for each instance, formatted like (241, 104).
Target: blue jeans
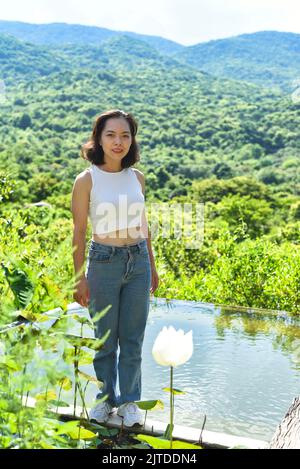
(119, 276)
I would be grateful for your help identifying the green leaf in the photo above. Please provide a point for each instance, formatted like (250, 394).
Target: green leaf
(93, 426)
(34, 317)
(74, 431)
(97, 441)
(160, 443)
(7, 362)
(153, 441)
(66, 383)
(175, 391)
(19, 283)
(140, 446)
(90, 342)
(90, 378)
(59, 403)
(100, 314)
(46, 396)
(84, 357)
(150, 405)
(82, 433)
(168, 430)
(177, 444)
(81, 319)
(108, 432)
(45, 445)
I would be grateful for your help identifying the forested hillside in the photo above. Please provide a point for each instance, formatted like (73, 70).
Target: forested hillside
(229, 144)
(191, 125)
(63, 33)
(267, 58)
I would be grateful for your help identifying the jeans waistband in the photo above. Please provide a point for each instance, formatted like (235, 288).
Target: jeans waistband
(132, 247)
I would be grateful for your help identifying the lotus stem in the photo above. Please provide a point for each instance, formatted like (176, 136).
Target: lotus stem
(171, 407)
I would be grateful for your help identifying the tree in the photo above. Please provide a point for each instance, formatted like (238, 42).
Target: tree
(256, 215)
(287, 435)
(214, 190)
(222, 171)
(162, 176)
(24, 121)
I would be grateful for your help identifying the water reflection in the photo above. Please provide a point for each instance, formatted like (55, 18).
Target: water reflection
(282, 328)
(243, 375)
(244, 372)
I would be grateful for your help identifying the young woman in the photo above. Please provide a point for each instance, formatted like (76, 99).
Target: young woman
(121, 268)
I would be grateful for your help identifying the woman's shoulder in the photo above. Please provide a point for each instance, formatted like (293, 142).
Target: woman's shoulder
(84, 179)
(137, 171)
(138, 174)
(140, 177)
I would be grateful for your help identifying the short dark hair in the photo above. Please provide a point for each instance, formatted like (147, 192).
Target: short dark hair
(93, 151)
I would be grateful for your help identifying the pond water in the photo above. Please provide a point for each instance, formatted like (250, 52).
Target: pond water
(243, 375)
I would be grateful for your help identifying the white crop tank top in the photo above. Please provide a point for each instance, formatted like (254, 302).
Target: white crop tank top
(116, 200)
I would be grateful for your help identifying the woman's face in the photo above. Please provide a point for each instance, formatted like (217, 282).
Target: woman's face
(116, 138)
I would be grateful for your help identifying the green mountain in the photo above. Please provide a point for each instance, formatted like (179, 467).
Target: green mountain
(63, 34)
(192, 125)
(267, 58)
(21, 60)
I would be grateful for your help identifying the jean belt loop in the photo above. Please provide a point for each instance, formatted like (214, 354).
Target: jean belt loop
(113, 250)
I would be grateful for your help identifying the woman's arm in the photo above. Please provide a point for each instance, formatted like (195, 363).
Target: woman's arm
(146, 232)
(80, 205)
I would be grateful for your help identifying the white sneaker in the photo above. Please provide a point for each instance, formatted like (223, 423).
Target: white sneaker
(101, 412)
(131, 414)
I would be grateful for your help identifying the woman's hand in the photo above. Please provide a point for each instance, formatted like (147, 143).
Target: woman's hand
(82, 292)
(154, 280)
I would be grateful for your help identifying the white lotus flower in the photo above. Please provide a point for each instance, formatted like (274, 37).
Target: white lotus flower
(172, 348)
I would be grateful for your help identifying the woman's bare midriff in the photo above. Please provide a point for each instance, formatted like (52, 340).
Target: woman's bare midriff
(124, 237)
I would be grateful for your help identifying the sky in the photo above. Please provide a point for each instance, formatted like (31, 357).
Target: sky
(187, 22)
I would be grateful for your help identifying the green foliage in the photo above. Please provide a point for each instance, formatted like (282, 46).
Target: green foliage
(256, 215)
(24, 121)
(20, 285)
(252, 273)
(191, 125)
(267, 58)
(213, 190)
(5, 188)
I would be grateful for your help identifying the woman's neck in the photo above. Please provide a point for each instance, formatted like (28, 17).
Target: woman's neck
(110, 168)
